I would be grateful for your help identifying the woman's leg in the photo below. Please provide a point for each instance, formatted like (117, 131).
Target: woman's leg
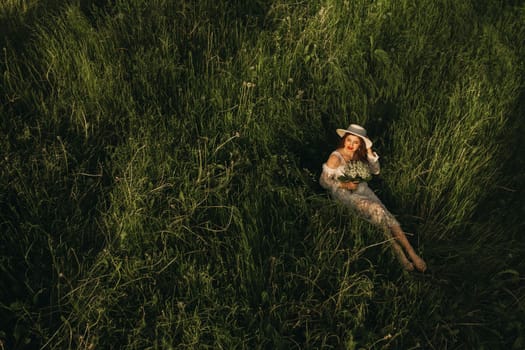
(400, 237)
(371, 208)
(401, 257)
(377, 214)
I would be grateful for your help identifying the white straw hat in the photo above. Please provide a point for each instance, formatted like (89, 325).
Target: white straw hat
(356, 130)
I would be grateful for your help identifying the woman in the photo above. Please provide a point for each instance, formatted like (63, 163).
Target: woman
(356, 147)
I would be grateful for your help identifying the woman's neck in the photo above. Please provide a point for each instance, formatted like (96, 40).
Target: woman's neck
(347, 155)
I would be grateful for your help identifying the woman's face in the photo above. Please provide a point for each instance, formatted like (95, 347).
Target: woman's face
(352, 143)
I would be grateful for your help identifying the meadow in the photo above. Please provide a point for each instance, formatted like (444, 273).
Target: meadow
(160, 163)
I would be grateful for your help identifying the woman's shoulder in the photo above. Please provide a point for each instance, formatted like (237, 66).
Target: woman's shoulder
(335, 159)
(337, 153)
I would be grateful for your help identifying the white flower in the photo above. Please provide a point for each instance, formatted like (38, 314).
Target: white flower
(356, 171)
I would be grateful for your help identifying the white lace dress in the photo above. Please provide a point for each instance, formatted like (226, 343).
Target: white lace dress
(363, 199)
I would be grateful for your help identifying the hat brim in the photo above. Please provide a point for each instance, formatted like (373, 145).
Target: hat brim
(342, 132)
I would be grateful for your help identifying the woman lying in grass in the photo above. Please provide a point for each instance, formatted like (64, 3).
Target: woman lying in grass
(345, 176)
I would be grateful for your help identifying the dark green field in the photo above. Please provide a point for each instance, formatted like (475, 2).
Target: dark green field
(159, 166)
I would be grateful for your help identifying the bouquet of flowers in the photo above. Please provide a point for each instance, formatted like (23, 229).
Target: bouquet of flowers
(356, 171)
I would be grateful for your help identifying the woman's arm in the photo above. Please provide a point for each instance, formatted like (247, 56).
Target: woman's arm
(373, 162)
(328, 179)
(328, 176)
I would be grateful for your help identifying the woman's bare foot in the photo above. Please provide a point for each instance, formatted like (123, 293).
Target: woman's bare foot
(407, 265)
(419, 263)
(401, 257)
(401, 238)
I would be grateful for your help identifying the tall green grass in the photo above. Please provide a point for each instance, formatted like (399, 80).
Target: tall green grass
(160, 164)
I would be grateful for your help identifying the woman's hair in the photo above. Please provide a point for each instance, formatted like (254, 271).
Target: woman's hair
(360, 154)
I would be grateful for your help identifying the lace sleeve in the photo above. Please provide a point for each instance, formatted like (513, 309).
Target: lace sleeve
(328, 179)
(373, 163)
